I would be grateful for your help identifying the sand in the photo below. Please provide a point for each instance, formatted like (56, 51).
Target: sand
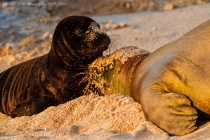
(89, 117)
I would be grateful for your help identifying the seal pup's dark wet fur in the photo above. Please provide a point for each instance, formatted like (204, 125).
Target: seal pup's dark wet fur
(57, 77)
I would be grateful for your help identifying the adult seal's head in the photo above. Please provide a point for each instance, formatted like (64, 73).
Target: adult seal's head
(78, 39)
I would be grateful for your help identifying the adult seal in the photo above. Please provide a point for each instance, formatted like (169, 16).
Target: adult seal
(172, 84)
(57, 77)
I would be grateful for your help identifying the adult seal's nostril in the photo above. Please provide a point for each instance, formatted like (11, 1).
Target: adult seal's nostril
(57, 77)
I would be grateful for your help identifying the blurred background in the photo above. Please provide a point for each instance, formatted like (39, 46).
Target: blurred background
(27, 26)
(63, 8)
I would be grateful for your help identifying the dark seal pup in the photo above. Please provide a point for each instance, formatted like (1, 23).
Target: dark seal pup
(57, 77)
(172, 84)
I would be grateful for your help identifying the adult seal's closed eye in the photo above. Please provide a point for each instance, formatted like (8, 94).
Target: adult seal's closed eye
(172, 84)
(57, 77)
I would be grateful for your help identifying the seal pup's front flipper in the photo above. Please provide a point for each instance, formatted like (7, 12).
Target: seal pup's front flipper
(33, 104)
(31, 107)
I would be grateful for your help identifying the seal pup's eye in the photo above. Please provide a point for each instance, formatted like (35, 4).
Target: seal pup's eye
(78, 32)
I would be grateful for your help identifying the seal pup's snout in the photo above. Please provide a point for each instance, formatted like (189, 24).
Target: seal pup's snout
(96, 39)
(104, 41)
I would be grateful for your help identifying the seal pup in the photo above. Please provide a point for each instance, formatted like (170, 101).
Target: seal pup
(172, 84)
(57, 77)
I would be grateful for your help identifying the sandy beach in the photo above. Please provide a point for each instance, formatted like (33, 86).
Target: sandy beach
(93, 117)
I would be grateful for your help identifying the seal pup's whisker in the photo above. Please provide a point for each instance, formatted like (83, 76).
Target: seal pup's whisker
(84, 79)
(81, 73)
(113, 46)
(82, 67)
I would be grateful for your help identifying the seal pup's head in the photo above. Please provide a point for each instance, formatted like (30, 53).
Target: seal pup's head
(79, 39)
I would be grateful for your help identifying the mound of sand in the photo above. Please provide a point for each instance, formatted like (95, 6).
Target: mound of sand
(85, 115)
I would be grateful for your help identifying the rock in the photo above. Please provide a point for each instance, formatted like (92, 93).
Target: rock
(27, 41)
(29, 28)
(107, 26)
(4, 5)
(5, 51)
(46, 44)
(28, 19)
(153, 28)
(9, 46)
(1, 35)
(120, 25)
(43, 20)
(56, 19)
(168, 6)
(46, 35)
(11, 31)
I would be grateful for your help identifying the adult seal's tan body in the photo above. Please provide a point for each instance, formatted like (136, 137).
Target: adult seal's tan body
(172, 84)
(58, 76)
